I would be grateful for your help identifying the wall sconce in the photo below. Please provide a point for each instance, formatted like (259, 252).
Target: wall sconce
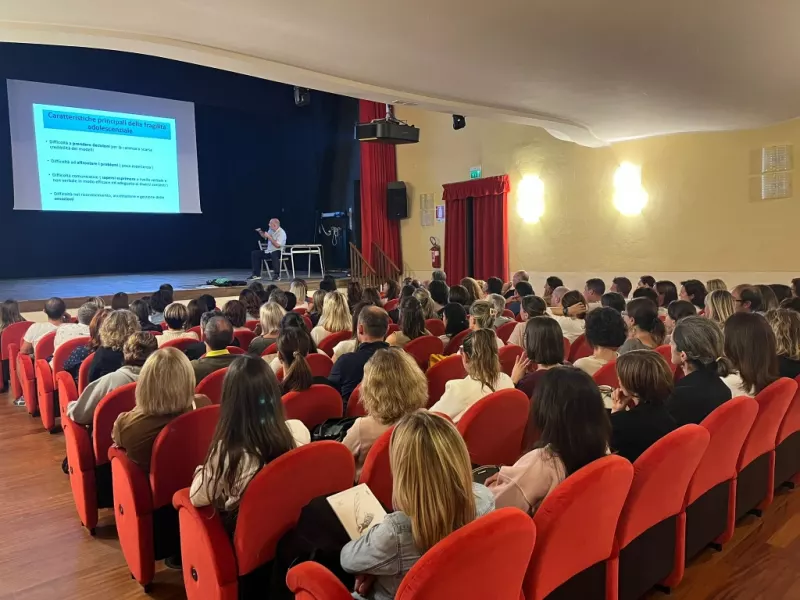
(629, 195)
(530, 198)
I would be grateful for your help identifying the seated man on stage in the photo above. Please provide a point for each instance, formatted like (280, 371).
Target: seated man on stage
(276, 239)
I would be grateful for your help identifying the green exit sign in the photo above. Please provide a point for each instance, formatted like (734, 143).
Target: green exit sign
(475, 172)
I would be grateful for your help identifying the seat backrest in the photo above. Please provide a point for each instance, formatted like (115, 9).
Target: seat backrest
(83, 372)
(666, 351)
(313, 406)
(64, 350)
(245, 336)
(508, 356)
(67, 391)
(421, 349)
(300, 310)
(180, 343)
(580, 348)
(494, 426)
(197, 330)
(505, 330)
(728, 427)
(271, 349)
(607, 375)
(120, 400)
(252, 324)
(354, 406)
(455, 343)
(499, 544)
(12, 334)
(329, 342)
(773, 402)
(393, 328)
(661, 478)
(236, 350)
(435, 327)
(439, 374)
(590, 499)
(508, 314)
(377, 472)
(320, 364)
(211, 385)
(280, 490)
(45, 347)
(791, 421)
(178, 449)
(567, 347)
(391, 305)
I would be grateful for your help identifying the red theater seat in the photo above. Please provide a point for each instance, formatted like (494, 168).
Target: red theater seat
(83, 373)
(505, 330)
(421, 349)
(27, 374)
(580, 348)
(435, 327)
(147, 523)
(787, 451)
(11, 335)
(320, 364)
(377, 472)
(313, 406)
(309, 323)
(329, 342)
(236, 350)
(391, 305)
(244, 337)
(455, 342)
(211, 385)
(354, 406)
(607, 375)
(666, 352)
(652, 522)
(271, 349)
(46, 374)
(252, 324)
(212, 563)
(499, 543)
(508, 314)
(300, 310)
(508, 357)
(568, 562)
(439, 374)
(197, 330)
(180, 343)
(494, 426)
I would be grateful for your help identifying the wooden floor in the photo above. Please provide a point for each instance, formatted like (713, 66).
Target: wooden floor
(45, 554)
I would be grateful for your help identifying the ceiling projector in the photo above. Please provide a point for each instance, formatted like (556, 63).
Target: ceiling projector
(388, 130)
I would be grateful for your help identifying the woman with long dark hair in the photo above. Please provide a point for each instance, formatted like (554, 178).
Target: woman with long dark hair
(251, 303)
(412, 323)
(294, 345)
(455, 321)
(751, 347)
(645, 330)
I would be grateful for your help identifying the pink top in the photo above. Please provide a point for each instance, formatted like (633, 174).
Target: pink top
(529, 481)
(360, 438)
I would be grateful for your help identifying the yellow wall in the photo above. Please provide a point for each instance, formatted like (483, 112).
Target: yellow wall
(699, 218)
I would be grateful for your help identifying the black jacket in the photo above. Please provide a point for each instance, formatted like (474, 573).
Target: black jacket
(696, 396)
(788, 367)
(105, 361)
(348, 371)
(635, 430)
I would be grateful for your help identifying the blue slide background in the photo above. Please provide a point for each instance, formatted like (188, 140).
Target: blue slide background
(99, 161)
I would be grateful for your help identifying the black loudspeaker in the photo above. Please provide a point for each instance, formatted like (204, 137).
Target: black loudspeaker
(396, 201)
(302, 96)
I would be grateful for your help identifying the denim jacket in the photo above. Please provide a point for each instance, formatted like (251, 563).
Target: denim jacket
(388, 552)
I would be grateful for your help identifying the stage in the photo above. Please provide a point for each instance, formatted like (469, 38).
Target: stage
(30, 293)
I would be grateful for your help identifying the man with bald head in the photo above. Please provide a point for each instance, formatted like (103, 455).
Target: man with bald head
(56, 311)
(348, 371)
(276, 240)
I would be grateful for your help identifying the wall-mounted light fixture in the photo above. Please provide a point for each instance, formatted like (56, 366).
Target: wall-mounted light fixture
(530, 198)
(629, 195)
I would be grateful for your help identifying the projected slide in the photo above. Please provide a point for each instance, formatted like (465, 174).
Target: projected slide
(82, 154)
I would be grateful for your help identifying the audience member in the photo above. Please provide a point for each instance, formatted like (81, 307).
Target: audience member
(194, 313)
(278, 296)
(158, 302)
(294, 345)
(328, 284)
(256, 286)
(565, 401)
(9, 314)
(135, 352)
(371, 296)
(750, 345)
(768, 298)
(695, 292)
(236, 313)
(164, 391)
(335, 317)
(390, 290)
(270, 317)
(593, 293)
(795, 285)
(621, 285)
(429, 460)
(747, 298)
(317, 304)
(719, 306)
(120, 301)
(646, 281)
(675, 312)
(499, 304)
(645, 329)
(785, 325)
(792, 303)
(406, 292)
(299, 288)
(557, 296)
(354, 293)
(252, 431)
(716, 284)
(550, 284)
(482, 316)
(573, 308)
(439, 275)
(439, 294)
(667, 293)
(175, 316)
(605, 333)
(393, 387)
(459, 294)
(522, 289)
(428, 307)
(484, 376)
(348, 371)
(454, 317)
(209, 302)
(697, 347)
(614, 300)
(55, 309)
(167, 292)
(217, 335)
(650, 294)
(530, 306)
(141, 309)
(346, 346)
(292, 320)
(473, 289)
(117, 327)
(251, 304)
(70, 331)
(494, 285)
(639, 417)
(509, 288)
(74, 361)
(412, 323)
(544, 349)
(781, 291)
(291, 301)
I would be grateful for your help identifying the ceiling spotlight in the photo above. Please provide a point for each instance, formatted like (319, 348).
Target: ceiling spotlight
(459, 122)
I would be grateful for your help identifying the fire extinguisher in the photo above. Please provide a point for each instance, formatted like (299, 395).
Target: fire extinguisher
(436, 254)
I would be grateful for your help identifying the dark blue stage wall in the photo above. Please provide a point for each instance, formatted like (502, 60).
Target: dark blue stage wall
(259, 156)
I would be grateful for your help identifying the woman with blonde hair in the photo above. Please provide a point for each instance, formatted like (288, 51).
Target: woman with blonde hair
(474, 291)
(164, 391)
(786, 325)
(434, 496)
(426, 303)
(270, 315)
(482, 315)
(299, 288)
(484, 376)
(716, 284)
(393, 386)
(719, 306)
(175, 316)
(114, 332)
(335, 317)
(73, 363)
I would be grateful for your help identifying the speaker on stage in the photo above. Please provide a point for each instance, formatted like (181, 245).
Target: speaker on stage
(396, 200)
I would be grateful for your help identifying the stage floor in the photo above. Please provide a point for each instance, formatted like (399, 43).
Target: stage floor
(74, 290)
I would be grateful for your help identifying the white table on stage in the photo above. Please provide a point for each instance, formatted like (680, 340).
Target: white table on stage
(310, 250)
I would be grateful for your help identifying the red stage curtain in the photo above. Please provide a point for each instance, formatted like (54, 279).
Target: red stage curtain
(378, 168)
(490, 228)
